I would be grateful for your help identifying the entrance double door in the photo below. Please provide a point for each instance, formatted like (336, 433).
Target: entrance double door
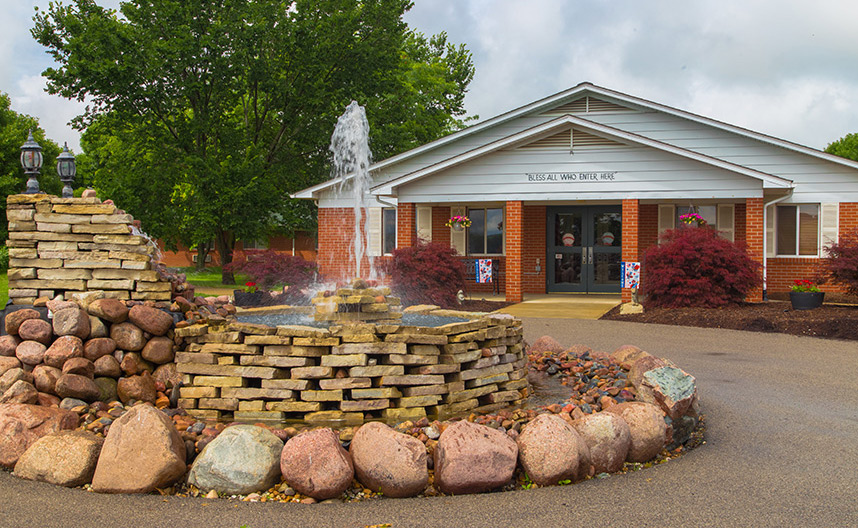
(584, 249)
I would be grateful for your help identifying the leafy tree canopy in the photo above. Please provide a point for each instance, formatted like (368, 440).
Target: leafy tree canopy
(204, 115)
(13, 133)
(845, 147)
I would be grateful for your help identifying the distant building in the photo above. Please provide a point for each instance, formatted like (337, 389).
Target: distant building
(302, 245)
(564, 189)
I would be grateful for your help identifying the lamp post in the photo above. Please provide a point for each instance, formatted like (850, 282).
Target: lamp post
(66, 170)
(31, 160)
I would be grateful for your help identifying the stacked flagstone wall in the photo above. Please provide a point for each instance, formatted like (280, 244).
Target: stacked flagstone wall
(352, 372)
(63, 246)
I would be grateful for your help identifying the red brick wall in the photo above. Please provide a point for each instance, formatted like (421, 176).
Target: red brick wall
(848, 217)
(336, 226)
(648, 228)
(514, 250)
(740, 233)
(631, 237)
(406, 225)
(755, 232)
(535, 235)
(440, 232)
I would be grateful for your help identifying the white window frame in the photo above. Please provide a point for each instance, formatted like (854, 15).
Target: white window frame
(486, 233)
(667, 219)
(819, 229)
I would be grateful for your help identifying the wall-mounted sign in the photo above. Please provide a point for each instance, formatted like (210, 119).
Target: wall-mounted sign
(583, 177)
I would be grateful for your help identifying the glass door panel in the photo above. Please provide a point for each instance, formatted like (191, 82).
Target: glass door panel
(584, 248)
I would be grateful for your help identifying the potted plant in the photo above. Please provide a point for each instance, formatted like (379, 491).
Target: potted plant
(249, 296)
(458, 222)
(692, 220)
(805, 295)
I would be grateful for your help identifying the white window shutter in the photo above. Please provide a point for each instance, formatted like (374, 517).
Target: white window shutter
(727, 221)
(458, 239)
(424, 223)
(373, 231)
(771, 250)
(830, 224)
(666, 218)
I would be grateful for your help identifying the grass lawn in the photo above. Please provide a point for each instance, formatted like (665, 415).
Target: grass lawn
(4, 289)
(208, 282)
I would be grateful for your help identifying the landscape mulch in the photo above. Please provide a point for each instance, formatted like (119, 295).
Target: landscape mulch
(829, 321)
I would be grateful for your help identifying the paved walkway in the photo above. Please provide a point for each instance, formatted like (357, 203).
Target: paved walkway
(781, 450)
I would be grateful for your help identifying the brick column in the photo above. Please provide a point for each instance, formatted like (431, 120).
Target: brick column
(755, 233)
(406, 225)
(631, 238)
(514, 251)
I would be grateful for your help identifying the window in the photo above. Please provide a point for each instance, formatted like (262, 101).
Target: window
(797, 229)
(255, 244)
(485, 236)
(388, 230)
(719, 216)
(708, 212)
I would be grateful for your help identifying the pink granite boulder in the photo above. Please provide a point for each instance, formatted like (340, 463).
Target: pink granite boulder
(472, 458)
(647, 429)
(36, 330)
(66, 458)
(546, 344)
(63, 349)
(151, 320)
(98, 347)
(314, 463)
(45, 378)
(139, 388)
(158, 350)
(20, 392)
(111, 310)
(609, 439)
(548, 449)
(127, 336)
(21, 425)
(72, 322)
(77, 386)
(16, 318)
(31, 352)
(389, 461)
(8, 344)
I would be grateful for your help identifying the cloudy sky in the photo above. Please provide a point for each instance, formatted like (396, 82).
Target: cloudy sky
(788, 68)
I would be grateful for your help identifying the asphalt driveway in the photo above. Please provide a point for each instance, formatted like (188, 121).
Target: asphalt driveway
(781, 450)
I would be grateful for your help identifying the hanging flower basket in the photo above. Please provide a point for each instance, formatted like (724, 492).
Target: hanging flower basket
(692, 220)
(458, 222)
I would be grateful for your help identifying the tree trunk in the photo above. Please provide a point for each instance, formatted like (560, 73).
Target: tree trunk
(203, 251)
(224, 243)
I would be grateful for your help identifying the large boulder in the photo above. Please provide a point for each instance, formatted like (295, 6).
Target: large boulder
(63, 349)
(8, 363)
(158, 350)
(626, 355)
(13, 375)
(151, 320)
(8, 344)
(168, 374)
(242, 459)
(14, 319)
(66, 458)
(609, 439)
(21, 425)
(31, 352)
(36, 330)
(20, 392)
(97, 327)
(315, 464)
(142, 451)
(472, 458)
(672, 389)
(641, 365)
(72, 321)
(80, 365)
(546, 344)
(107, 366)
(77, 386)
(388, 461)
(548, 450)
(646, 426)
(98, 347)
(112, 310)
(45, 378)
(140, 388)
(127, 336)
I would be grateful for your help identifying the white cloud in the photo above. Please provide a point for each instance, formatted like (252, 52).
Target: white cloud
(53, 112)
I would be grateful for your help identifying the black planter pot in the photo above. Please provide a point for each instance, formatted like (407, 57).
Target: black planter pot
(806, 300)
(243, 298)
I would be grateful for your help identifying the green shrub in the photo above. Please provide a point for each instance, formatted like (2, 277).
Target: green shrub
(4, 259)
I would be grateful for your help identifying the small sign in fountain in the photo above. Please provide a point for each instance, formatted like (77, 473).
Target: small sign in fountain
(360, 302)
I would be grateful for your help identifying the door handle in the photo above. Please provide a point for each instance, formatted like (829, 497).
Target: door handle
(590, 255)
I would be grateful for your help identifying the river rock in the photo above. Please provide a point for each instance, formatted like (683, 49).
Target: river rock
(8, 344)
(389, 461)
(151, 320)
(77, 386)
(548, 450)
(45, 378)
(127, 336)
(14, 319)
(167, 374)
(98, 347)
(646, 426)
(21, 425)
(242, 459)
(158, 350)
(609, 439)
(7, 363)
(31, 352)
(107, 366)
(20, 392)
(626, 355)
(112, 310)
(315, 464)
(63, 349)
(66, 458)
(546, 344)
(36, 330)
(133, 363)
(11, 376)
(140, 388)
(97, 328)
(72, 321)
(670, 388)
(48, 400)
(106, 389)
(55, 305)
(142, 451)
(472, 458)
(81, 366)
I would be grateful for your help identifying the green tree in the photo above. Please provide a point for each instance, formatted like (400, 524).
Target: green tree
(205, 114)
(13, 134)
(845, 147)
